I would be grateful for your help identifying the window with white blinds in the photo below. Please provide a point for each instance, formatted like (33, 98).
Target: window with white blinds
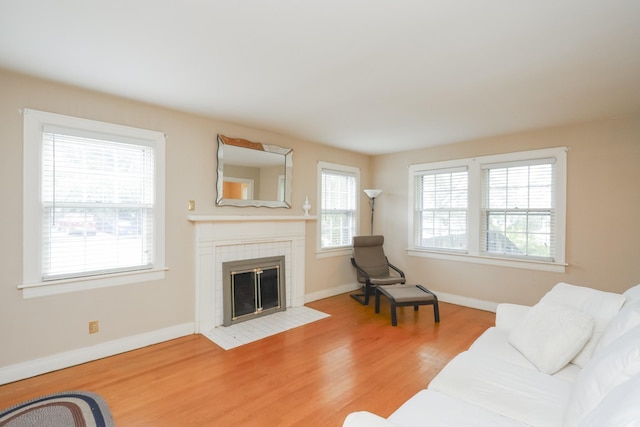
(338, 205)
(98, 202)
(506, 209)
(518, 215)
(94, 200)
(442, 209)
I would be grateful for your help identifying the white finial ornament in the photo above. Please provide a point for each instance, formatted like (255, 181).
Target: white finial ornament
(306, 206)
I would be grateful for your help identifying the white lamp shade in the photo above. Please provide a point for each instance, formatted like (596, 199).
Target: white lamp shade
(373, 193)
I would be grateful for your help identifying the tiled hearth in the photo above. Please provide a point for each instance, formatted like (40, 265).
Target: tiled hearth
(230, 238)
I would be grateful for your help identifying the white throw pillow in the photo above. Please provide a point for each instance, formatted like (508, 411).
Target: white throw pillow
(551, 335)
(627, 318)
(603, 306)
(611, 367)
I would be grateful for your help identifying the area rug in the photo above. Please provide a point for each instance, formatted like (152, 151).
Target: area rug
(238, 334)
(67, 409)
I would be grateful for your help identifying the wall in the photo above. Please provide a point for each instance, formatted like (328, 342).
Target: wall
(58, 325)
(603, 213)
(603, 231)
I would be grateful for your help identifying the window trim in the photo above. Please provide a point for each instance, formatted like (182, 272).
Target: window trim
(475, 165)
(33, 286)
(334, 252)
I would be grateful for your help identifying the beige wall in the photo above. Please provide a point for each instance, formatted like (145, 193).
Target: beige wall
(40, 327)
(603, 210)
(603, 213)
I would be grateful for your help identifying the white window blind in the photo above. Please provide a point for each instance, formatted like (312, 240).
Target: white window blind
(338, 208)
(441, 209)
(513, 215)
(518, 215)
(98, 204)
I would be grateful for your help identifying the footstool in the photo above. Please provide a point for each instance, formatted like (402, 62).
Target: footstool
(404, 295)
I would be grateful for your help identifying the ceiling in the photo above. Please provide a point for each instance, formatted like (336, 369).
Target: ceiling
(373, 76)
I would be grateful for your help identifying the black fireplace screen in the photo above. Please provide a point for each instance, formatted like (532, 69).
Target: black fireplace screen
(253, 288)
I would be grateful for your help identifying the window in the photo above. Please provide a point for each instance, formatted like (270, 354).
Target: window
(442, 209)
(93, 204)
(517, 209)
(505, 209)
(338, 205)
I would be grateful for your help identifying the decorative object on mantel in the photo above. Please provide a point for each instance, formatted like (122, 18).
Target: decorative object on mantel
(372, 194)
(306, 206)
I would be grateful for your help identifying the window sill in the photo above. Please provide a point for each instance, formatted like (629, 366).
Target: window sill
(55, 287)
(502, 262)
(329, 253)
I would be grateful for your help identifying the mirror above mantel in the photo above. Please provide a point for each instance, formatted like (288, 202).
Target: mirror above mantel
(253, 174)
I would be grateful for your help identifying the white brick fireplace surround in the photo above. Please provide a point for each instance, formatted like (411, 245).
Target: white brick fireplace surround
(223, 238)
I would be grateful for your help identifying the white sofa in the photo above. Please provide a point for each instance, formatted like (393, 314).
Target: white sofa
(571, 360)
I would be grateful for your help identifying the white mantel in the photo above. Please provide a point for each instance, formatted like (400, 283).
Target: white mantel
(222, 238)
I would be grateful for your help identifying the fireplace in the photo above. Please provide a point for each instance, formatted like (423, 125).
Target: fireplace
(225, 238)
(253, 288)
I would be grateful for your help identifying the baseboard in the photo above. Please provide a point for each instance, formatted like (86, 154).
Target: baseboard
(442, 296)
(326, 293)
(466, 301)
(43, 365)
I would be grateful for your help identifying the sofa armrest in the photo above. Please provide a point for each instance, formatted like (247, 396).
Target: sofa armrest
(366, 419)
(508, 316)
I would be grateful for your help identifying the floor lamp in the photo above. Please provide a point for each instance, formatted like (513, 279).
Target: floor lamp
(372, 194)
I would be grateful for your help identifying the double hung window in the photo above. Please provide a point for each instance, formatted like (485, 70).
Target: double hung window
(338, 205)
(518, 214)
(442, 209)
(94, 205)
(505, 209)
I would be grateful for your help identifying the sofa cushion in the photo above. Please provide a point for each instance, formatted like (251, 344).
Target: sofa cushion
(366, 419)
(603, 306)
(627, 318)
(621, 407)
(508, 316)
(632, 294)
(431, 408)
(495, 342)
(550, 336)
(612, 366)
(525, 395)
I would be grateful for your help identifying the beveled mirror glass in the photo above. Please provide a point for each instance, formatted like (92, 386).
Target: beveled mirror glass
(253, 174)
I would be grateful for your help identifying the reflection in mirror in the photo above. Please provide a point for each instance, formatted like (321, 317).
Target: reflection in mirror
(253, 174)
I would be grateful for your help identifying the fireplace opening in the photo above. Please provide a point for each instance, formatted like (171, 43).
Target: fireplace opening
(253, 288)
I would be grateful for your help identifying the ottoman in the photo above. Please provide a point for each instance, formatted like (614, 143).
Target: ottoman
(403, 295)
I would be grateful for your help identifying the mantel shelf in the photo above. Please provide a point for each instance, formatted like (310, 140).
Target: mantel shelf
(248, 218)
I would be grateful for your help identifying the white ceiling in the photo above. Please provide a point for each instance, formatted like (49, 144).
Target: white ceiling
(374, 76)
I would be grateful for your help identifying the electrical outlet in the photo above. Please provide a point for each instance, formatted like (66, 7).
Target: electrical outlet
(94, 328)
(192, 205)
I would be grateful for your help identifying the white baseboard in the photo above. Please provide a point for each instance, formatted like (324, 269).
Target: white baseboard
(466, 301)
(326, 293)
(442, 296)
(87, 354)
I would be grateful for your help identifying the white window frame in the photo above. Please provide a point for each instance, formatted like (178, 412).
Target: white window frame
(333, 252)
(474, 253)
(33, 285)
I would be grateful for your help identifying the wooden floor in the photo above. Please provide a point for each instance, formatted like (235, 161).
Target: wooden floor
(313, 375)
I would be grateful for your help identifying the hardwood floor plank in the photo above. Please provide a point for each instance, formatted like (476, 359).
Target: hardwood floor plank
(311, 375)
